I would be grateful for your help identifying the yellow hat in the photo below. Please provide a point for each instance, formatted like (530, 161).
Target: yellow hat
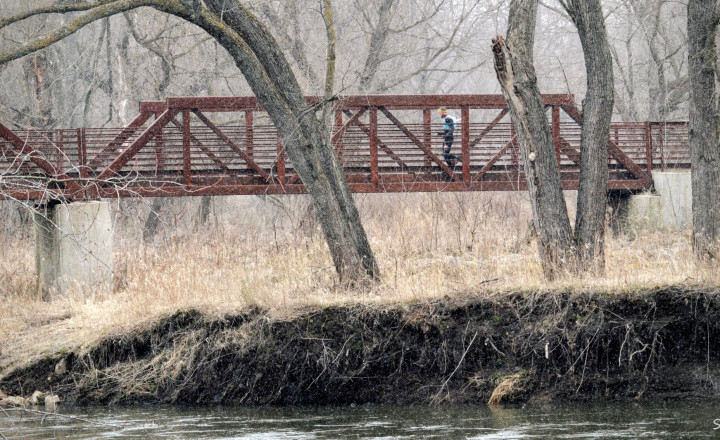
(442, 110)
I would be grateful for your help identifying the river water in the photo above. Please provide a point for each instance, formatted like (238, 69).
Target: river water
(616, 421)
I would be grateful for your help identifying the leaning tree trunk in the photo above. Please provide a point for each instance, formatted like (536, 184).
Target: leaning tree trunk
(597, 112)
(271, 78)
(704, 149)
(516, 74)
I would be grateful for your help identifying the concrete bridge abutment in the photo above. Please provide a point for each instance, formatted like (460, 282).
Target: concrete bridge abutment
(73, 247)
(668, 206)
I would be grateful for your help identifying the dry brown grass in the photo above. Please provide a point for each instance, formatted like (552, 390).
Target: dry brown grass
(271, 254)
(506, 388)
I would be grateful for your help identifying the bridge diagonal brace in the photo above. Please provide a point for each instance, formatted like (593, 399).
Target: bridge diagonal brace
(489, 128)
(202, 147)
(22, 148)
(494, 159)
(294, 179)
(153, 130)
(619, 155)
(246, 157)
(614, 150)
(569, 151)
(117, 142)
(354, 120)
(381, 144)
(419, 143)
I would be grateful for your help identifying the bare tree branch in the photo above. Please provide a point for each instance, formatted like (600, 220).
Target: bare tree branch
(97, 12)
(54, 9)
(562, 12)
(420, 21)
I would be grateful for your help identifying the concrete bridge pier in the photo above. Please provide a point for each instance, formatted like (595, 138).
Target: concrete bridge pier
(73, 247)
(669, 206)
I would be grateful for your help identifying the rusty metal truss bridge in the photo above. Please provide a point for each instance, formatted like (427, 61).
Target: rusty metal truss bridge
(190, 146)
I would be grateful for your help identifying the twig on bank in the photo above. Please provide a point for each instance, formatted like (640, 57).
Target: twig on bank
(492, 344)
(435, 398)
(490, 280)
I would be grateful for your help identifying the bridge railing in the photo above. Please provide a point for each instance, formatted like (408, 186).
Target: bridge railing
(192, 146)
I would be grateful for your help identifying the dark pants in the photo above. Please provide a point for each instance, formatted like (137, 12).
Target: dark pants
(450, 159)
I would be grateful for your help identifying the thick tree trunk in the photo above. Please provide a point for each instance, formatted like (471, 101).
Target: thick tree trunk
(704, 149)
(516, 74)
(597, 113)
(267, 71)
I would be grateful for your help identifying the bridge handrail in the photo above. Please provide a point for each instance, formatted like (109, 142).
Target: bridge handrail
(383, 150)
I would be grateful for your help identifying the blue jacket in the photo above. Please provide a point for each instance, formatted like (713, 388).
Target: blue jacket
(448, 125)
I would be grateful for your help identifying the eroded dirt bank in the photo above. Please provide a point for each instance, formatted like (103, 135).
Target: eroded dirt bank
(662, 343)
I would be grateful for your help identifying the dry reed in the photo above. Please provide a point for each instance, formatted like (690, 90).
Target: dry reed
(269, 252)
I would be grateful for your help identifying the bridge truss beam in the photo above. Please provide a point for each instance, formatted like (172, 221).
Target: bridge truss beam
(188, 146)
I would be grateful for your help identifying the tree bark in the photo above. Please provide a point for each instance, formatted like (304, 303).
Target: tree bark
(330, 58)
(204, 210)
(704, 150)
(152, 222)
(515, 72)
(379, 37)
(597, 113)
(271, 78)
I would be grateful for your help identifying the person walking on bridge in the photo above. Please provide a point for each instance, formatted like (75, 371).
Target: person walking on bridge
(448, 136)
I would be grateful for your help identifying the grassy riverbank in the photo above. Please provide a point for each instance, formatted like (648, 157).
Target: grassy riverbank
(269, 262)
(514, 347)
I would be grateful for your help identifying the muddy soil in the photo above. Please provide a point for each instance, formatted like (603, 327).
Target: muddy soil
(524, 346)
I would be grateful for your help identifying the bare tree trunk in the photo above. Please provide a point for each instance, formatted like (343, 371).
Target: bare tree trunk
(329, 66)
(704, 150)
(516, 74)
(379, 37)
(204, 210)
(286, 31)
(597, 112)
(38, 67)
(152, 222)
(269, 75)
